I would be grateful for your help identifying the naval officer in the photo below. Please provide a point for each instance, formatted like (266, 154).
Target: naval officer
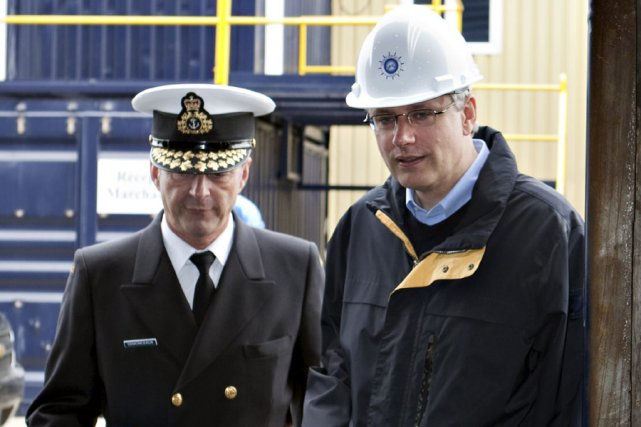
(198, 319)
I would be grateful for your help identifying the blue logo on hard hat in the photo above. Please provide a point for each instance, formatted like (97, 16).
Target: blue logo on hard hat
(391, 65)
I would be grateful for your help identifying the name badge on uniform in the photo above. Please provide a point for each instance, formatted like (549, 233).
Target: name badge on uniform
(141, 342)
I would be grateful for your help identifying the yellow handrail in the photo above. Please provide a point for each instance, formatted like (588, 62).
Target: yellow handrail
(560, 137)
(223, 22)
(223, 43)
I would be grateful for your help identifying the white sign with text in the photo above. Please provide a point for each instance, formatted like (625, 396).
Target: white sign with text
(124, 185)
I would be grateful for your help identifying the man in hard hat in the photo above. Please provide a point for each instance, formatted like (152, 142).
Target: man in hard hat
(199, 319)
(454, 291)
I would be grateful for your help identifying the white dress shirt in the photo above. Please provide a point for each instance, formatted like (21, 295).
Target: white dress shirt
(179, 252)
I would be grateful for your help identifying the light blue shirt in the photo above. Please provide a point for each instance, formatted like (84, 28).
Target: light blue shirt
(458, 196)
(248, 212)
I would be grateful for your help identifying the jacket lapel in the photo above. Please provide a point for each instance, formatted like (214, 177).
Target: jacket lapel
(241, 293)
(157, 297)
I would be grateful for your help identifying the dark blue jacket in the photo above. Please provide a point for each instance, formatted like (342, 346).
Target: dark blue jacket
(486, 329)
(246, 366)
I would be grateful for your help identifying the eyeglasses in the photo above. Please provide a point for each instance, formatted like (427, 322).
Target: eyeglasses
(416, 118)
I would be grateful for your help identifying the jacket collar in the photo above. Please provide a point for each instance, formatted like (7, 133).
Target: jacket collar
(154, 291)
(151, 249)
(241, 294)
(489, 198)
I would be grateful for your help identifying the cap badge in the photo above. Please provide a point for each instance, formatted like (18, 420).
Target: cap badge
(391, 66)
(193, 118)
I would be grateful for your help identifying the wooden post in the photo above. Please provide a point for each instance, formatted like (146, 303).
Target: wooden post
(614, 214)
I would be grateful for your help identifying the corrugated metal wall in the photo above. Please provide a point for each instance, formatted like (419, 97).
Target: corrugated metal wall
(76, 52)
(285, 206)
(541, 40)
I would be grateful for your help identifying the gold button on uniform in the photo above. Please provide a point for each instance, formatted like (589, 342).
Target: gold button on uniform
(231, 392)
(176, 399)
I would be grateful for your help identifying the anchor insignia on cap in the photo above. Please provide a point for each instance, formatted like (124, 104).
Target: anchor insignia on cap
(193, 118)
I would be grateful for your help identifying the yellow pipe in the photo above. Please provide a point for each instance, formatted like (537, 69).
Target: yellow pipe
(223, 35)
(302, 49)
(512, 86)
(183, 20)
(531, 137)
(304, 19)
(310, 20)
(437, 6)
(459, 14)
(562, 137)
(329, 69)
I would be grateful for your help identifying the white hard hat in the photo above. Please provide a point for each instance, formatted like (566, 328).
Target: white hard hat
(411, 55)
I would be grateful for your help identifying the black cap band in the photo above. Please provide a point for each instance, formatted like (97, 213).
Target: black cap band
(195, 141)
(224, 129)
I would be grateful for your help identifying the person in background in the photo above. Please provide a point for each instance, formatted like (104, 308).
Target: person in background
(198, 319)
(454, 292)
(248, 212)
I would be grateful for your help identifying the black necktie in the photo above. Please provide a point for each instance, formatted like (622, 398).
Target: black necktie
(204, 285)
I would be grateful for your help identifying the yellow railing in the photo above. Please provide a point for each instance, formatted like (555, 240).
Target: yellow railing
(224, 21)
(560, 137)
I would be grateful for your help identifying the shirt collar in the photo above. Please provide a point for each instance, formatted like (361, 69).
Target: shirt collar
(179, 251)
(458, 196)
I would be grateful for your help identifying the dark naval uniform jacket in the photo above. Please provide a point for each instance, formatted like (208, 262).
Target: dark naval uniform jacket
(127, 346)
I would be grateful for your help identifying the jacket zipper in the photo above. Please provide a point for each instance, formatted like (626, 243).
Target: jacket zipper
(426, 382)
(426, 254)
